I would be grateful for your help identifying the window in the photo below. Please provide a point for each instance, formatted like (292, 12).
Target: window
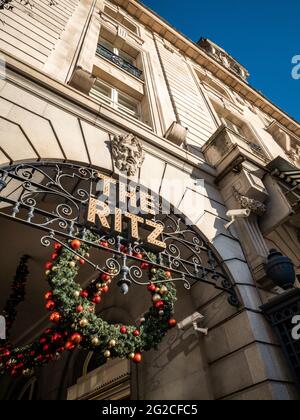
(120, 18)
(116, 99)
(237, 128)
(119, 57)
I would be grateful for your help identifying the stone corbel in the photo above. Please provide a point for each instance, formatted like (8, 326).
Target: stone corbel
(252, 239)
(246, 190)
(176, 134)
(255, 206)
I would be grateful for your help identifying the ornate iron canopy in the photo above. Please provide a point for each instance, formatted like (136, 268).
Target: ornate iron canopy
(56, 197)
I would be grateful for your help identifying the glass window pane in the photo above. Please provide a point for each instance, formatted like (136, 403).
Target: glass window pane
(129, 105)
(106, 44)
(101, 92)
(126, 57)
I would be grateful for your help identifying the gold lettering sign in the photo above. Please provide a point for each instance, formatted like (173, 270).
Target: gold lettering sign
(148, 203)
(99, 211)
(158, 230)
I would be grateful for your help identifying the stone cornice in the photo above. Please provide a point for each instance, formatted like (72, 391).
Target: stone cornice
(157, 24)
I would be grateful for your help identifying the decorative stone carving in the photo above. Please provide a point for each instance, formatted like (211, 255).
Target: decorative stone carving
(294, 154)
(256, 207)
(223, 57)
(287, 140)
(127, 153)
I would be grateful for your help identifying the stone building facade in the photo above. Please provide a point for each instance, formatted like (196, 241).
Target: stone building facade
(78, 74)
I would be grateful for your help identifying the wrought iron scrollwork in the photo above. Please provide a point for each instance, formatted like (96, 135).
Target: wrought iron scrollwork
(54, 198)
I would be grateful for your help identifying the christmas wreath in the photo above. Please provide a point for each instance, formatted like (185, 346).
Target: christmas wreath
(73, 314)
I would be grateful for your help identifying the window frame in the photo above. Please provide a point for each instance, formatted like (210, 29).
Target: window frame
(113, 100)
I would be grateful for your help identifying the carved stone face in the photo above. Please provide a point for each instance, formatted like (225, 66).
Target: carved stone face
(127, 153)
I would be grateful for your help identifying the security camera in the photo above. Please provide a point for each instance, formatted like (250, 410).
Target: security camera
(237, 214)
(192, 321)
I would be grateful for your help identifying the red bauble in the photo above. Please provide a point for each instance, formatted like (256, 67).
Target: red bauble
(172, 323)
(160, 304)
(105, 244)
(57, 246)
(136, 333)
(48, 331)
(151, 287)
(43, 340)
(48, 265)
(55, 317)
(46, 347)
(123, 330)
(56, 338)
(105, 278)
(50, 305)
(54, 256)
(138, 255)
(19, 365)
(137, 358)
(76, 338)
(40, 358)
(79, 309)
(105, 289)
(48, 295)
(97, 299)
(69, 345)
(123, 248)
(76, 244)
(84, 294)
(81, 261)
(6, 353)
(145, 266)
(168, 274)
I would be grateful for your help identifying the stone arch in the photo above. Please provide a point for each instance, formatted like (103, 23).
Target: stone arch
(182, 345)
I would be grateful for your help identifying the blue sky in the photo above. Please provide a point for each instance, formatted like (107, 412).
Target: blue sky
(263, 35)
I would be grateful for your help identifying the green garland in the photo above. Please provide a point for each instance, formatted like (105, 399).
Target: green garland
(76, 323)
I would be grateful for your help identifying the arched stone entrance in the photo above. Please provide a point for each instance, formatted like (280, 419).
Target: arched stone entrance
(53, 199)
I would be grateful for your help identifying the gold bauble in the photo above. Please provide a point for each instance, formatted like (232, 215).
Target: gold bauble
(77, 294)
(98, 286)
(47, 272)
(87, 255)
(84, 323)
(27, 372)
(112, 343)
(77, 258)
(163, 290)
(95, 341)
(154, 271)
(131, 356)
(156, 298)
(72, 264)
(107, 354)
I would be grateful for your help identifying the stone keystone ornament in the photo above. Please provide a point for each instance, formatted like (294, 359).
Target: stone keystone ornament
(127, 153)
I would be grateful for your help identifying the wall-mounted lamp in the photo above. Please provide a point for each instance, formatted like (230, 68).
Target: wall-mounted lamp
(281, 270)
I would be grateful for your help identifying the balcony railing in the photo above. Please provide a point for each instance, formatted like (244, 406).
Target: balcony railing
(119, 61)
